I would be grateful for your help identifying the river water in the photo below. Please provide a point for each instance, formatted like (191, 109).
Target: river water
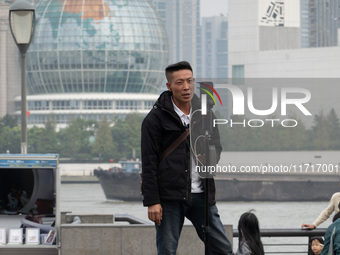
(90, 199)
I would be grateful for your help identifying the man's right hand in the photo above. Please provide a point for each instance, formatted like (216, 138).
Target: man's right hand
(155, 213)
(308, 226)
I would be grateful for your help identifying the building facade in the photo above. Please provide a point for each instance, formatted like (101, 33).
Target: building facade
(94, 59)
(10, 78)
(214, 50)
(263, 50)
(182, 23)
(320, 23)
(324, 22)
(256, 63)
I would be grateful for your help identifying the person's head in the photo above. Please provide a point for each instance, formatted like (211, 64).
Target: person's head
(316, 245)
(249, 232)
(180, 81)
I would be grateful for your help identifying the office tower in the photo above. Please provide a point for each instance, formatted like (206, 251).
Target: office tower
(324, 23)
(10, 78)
(214, 59)
(181, 20)
(320, 23)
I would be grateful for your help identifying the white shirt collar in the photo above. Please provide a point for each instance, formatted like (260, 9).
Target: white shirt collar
(184, 118)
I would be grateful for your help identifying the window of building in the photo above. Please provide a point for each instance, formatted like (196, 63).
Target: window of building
(128, 105)
(74, 104)
(238, 74)
(222, 45)
(222, 60)
(60, 105)
(97, 104)
(148, 105)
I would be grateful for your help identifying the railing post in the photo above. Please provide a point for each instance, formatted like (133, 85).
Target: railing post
(284, 233)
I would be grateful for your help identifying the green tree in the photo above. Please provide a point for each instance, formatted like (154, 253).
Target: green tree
(293, 138)
(262, 136)
(326, 131)
(48, 140)
(236, 135)
(8, 121)
(267, 136)
(334, 130)
(321, 139)
(127, 135)
(10, 139)
(33, 137)
(103, 145)
(75, 139)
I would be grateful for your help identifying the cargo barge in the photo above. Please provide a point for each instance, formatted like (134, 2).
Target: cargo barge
(314, 180)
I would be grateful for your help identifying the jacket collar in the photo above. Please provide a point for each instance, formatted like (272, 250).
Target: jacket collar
(164, 101)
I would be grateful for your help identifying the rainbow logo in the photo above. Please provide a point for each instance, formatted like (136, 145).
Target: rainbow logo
(208, 92)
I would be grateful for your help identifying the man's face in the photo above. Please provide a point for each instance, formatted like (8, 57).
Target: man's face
(182, 85)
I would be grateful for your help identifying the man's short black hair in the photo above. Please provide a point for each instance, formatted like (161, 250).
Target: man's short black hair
(182, 65)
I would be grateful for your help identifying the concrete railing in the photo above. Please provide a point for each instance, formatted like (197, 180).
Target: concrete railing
(109, 238)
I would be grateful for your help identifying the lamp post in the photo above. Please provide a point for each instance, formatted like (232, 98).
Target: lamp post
(22, 23)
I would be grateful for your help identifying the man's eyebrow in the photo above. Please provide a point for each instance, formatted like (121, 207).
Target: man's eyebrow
(182, 79)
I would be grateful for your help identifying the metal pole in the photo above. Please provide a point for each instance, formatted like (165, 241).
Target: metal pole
(23, 105)
(18, 7)
(206, 198)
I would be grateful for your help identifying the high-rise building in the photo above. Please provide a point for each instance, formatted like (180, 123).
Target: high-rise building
(182, 23)
(266, 42)
(10, 78)
(305, 23)
(214, 55)
(264, 53)
(320, 23)
(214, 50)
(324, 22)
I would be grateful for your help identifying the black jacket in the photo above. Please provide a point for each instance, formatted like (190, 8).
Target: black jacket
(171, 178)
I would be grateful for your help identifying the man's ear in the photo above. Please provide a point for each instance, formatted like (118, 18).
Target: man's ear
(168, 86)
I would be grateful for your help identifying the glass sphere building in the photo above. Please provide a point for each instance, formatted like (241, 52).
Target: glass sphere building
(94, 58)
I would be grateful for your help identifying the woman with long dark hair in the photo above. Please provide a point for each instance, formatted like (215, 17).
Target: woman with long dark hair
(249, 238)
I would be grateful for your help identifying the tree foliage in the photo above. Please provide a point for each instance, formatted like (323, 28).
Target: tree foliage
(10, 139)
(103, 145)
(272, 136)
(75, 139)
(86, 140)
(127, 135)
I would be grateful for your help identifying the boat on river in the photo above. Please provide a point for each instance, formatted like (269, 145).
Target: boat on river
(317, 184)
(121, 183)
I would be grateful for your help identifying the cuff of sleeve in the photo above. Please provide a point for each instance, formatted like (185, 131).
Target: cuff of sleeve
(151, 201)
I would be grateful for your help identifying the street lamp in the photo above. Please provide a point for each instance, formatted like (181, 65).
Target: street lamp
(22, 23)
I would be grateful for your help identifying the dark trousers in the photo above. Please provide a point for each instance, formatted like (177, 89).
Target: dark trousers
(174, 212)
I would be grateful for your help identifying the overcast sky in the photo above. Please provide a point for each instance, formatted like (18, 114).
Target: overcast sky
(213, 7)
